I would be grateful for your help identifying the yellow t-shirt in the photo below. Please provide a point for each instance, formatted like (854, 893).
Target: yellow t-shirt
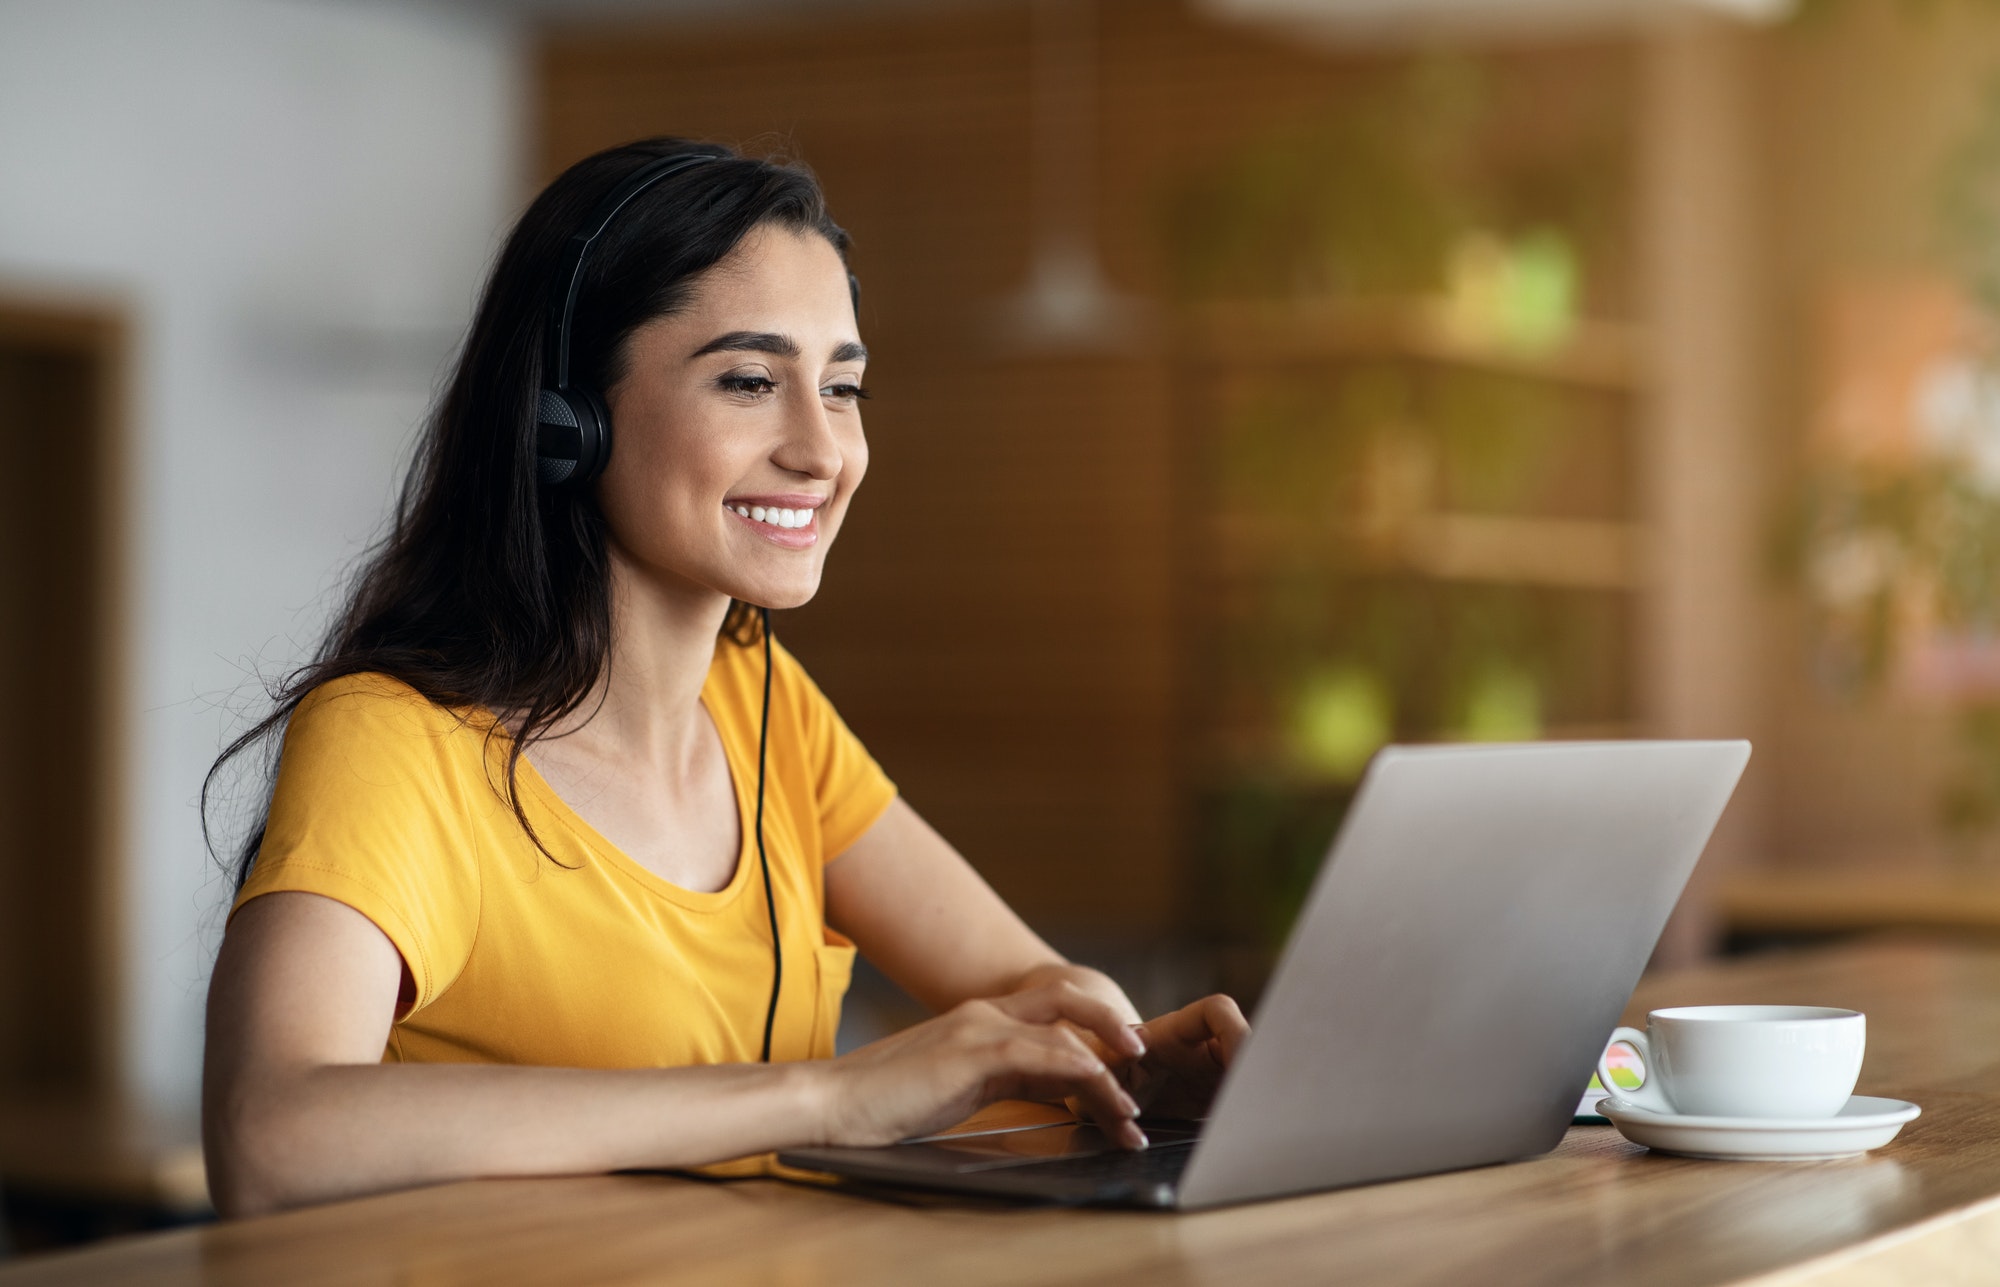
(389, 804)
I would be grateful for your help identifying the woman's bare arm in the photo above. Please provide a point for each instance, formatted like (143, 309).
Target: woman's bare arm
(924, 917)
(298, 1108)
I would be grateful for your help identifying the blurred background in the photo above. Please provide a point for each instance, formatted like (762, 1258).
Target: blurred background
(1256, 382)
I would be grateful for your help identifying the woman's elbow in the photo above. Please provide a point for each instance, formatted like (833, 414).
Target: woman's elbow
(252, 1170)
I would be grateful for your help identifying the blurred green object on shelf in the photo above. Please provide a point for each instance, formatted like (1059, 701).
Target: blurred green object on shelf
(1519, 294)
(1340, 718)
(1503, 704)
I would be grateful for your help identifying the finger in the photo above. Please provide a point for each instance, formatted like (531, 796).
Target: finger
(1067, 1001)
(1050, 1063)
(1194, 1025)
(1176, 1031)
(1187, 1025)
(1102, 1094)
(1106, 1106)
(1226, 1025)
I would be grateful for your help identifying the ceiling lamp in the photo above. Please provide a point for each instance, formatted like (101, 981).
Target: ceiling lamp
(1067, 304)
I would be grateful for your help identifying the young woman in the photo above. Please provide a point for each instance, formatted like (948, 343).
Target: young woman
(565, 863)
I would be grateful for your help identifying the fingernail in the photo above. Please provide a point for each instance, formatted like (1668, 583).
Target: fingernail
(1135, 1041)
(1129, 1104)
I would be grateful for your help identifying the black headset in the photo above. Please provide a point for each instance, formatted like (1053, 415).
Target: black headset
(572, 427)
(573, 444)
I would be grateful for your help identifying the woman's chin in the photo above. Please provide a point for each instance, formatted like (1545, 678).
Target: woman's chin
(777, 598)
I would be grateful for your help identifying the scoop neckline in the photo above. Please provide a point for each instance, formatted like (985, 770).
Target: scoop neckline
(632, 868)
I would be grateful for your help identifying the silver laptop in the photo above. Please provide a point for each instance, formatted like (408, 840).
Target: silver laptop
(1464, 953)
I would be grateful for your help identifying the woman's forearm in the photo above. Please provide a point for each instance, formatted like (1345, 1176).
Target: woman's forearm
(924, 917)
(333, 1131)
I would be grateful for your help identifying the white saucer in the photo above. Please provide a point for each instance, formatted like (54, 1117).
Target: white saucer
(1864, 1122)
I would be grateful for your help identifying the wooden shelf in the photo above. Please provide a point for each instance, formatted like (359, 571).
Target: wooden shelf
(1568, 553)
(1601, 355)
(1560, 553)
(1805, 902)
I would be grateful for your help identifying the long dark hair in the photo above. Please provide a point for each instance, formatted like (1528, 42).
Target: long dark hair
(490, 590)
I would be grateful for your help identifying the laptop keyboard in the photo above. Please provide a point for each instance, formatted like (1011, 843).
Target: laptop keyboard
(1161, 1164)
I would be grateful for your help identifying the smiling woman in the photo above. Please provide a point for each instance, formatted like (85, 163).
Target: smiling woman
(694, 434)
(565, 861)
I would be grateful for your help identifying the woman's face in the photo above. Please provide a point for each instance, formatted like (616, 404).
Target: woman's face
(737, 437)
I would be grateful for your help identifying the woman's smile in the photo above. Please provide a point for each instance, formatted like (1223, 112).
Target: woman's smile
(790, 520)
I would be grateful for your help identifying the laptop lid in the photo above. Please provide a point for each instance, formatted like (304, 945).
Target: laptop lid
(1462, 957)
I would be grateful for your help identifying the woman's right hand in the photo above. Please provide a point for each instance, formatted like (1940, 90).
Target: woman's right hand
(1018, 1046)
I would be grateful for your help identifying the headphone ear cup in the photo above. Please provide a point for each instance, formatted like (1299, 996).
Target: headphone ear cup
(572, 436)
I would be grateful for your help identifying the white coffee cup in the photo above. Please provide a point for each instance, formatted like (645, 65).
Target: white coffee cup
(1796, 1061)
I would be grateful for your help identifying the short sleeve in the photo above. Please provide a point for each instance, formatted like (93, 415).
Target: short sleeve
(849, 787)
(369, 811)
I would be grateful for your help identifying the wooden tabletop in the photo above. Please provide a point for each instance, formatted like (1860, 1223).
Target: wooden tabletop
(1926, 1209)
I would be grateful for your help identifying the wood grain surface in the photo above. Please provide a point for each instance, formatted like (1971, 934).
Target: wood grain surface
(1595, 1210)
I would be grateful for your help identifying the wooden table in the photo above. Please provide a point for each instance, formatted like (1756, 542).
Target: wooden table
(1925, 1210)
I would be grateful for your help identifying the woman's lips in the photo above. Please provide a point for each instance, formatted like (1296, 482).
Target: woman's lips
(793, 527)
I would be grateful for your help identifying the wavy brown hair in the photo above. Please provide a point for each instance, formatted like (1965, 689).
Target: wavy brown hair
(491, 591)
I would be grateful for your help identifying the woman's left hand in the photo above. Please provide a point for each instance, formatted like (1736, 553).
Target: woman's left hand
(1186, 1053)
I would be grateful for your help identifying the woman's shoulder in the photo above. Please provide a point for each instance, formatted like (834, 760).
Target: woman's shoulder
(375, 710)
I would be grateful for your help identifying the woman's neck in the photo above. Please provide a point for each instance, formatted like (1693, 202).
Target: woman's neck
(646, 708)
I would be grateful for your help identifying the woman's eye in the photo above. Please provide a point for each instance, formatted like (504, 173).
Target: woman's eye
(844, 392)
(750, 384)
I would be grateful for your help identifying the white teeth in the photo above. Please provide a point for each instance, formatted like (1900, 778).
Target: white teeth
(774, 515)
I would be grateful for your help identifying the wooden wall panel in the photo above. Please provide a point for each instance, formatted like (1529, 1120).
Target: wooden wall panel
(999, 621)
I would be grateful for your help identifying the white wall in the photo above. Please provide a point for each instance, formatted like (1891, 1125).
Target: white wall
(295, 203)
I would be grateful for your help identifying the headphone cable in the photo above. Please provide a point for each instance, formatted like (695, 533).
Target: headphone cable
(763, 860)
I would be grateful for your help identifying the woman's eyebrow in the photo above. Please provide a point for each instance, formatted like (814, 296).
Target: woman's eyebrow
(776, 345)
(751, 342)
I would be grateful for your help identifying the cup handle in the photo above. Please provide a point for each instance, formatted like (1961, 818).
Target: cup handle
(1648, 1095)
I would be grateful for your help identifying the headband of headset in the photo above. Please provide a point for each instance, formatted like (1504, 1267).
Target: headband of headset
(573, 428)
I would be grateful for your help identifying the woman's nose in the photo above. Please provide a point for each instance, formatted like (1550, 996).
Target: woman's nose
(809, 446)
